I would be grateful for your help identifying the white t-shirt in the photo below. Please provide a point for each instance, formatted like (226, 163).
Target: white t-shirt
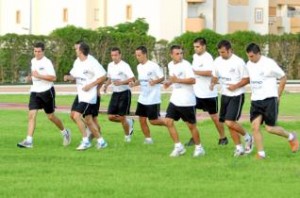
(182, 94)
(230, 71)
(44, 67)
(203, 62)
(120, 71)
(263, 78)
(86, 72)
(149, 94)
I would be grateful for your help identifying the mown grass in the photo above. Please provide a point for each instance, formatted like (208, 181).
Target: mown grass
(138, 170)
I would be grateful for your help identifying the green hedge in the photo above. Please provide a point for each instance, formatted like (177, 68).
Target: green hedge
(16, 50)
(285, 49)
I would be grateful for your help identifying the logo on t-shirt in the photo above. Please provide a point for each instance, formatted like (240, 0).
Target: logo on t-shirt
(232, 70)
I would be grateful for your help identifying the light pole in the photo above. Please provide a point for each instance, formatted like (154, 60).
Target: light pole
(30, 16)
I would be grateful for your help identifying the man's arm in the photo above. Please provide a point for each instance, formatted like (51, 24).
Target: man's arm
(189, 81)
(282, 82)
(97, 82)
(69, 78)
(154, 82)
(203, 73)
(240, 84)
(50, 78)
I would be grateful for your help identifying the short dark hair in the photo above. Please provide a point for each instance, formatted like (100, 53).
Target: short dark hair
(143, 49)
(253, 47)
(200, 40)
(115, 49)
(84, 48)
(224, 43)
(39, 45)
(175, 47)
(79, 42)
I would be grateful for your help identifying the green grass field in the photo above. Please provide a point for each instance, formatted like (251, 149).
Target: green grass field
(138, 170)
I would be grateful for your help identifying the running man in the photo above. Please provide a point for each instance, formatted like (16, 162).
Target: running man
(229, 71)
(182, 102)
(119, 74)
(264, 73)
(149, 78)
(42, 96)
(206, 99)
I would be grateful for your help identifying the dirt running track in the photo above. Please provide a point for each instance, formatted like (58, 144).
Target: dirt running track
(70, 89)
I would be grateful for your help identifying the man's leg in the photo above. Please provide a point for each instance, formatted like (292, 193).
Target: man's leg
(27, 143)
(53, 118)
(258, 138)
(144, 126)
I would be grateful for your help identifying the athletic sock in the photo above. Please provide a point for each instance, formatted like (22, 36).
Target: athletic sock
(29, 139)
(100, 140)
(239, 147)
(291, 136)
(85, 139)
(148, 139)
(64, 132)
(178, 144)
(262, 153)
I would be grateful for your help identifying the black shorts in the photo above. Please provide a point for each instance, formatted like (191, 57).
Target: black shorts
(43, 100)
(207, 104)
(231, 107)
(85, 108)
(120, 103)
(187, 114)
(152, 112)
(95, 106)
(267, 108)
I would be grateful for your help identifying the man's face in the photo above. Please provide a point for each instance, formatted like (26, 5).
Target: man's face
(199, 49)
(76, 47)
(177, 55)
(225, 53)
(38, 53)
(253, 57)
(141, 58)
(115, 56)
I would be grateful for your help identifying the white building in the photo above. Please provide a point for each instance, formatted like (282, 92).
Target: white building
(43, 16)
(166, 18)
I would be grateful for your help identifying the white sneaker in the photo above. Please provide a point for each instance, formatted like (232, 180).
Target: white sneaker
(198, 152)
(25, 144)
(177, 151)
(127, 138)
(130, 122)
(148, 141)
(101, 145)
(83, 146)
(249, 145)
(238, 152)
(67, 137)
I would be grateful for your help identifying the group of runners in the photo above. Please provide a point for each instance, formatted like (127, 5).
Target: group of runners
(193, 87)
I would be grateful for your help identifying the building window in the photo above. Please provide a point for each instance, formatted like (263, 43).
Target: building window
(65, 15)
(259, 15)
(96, 14)
(128, 12)
(18, 17)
